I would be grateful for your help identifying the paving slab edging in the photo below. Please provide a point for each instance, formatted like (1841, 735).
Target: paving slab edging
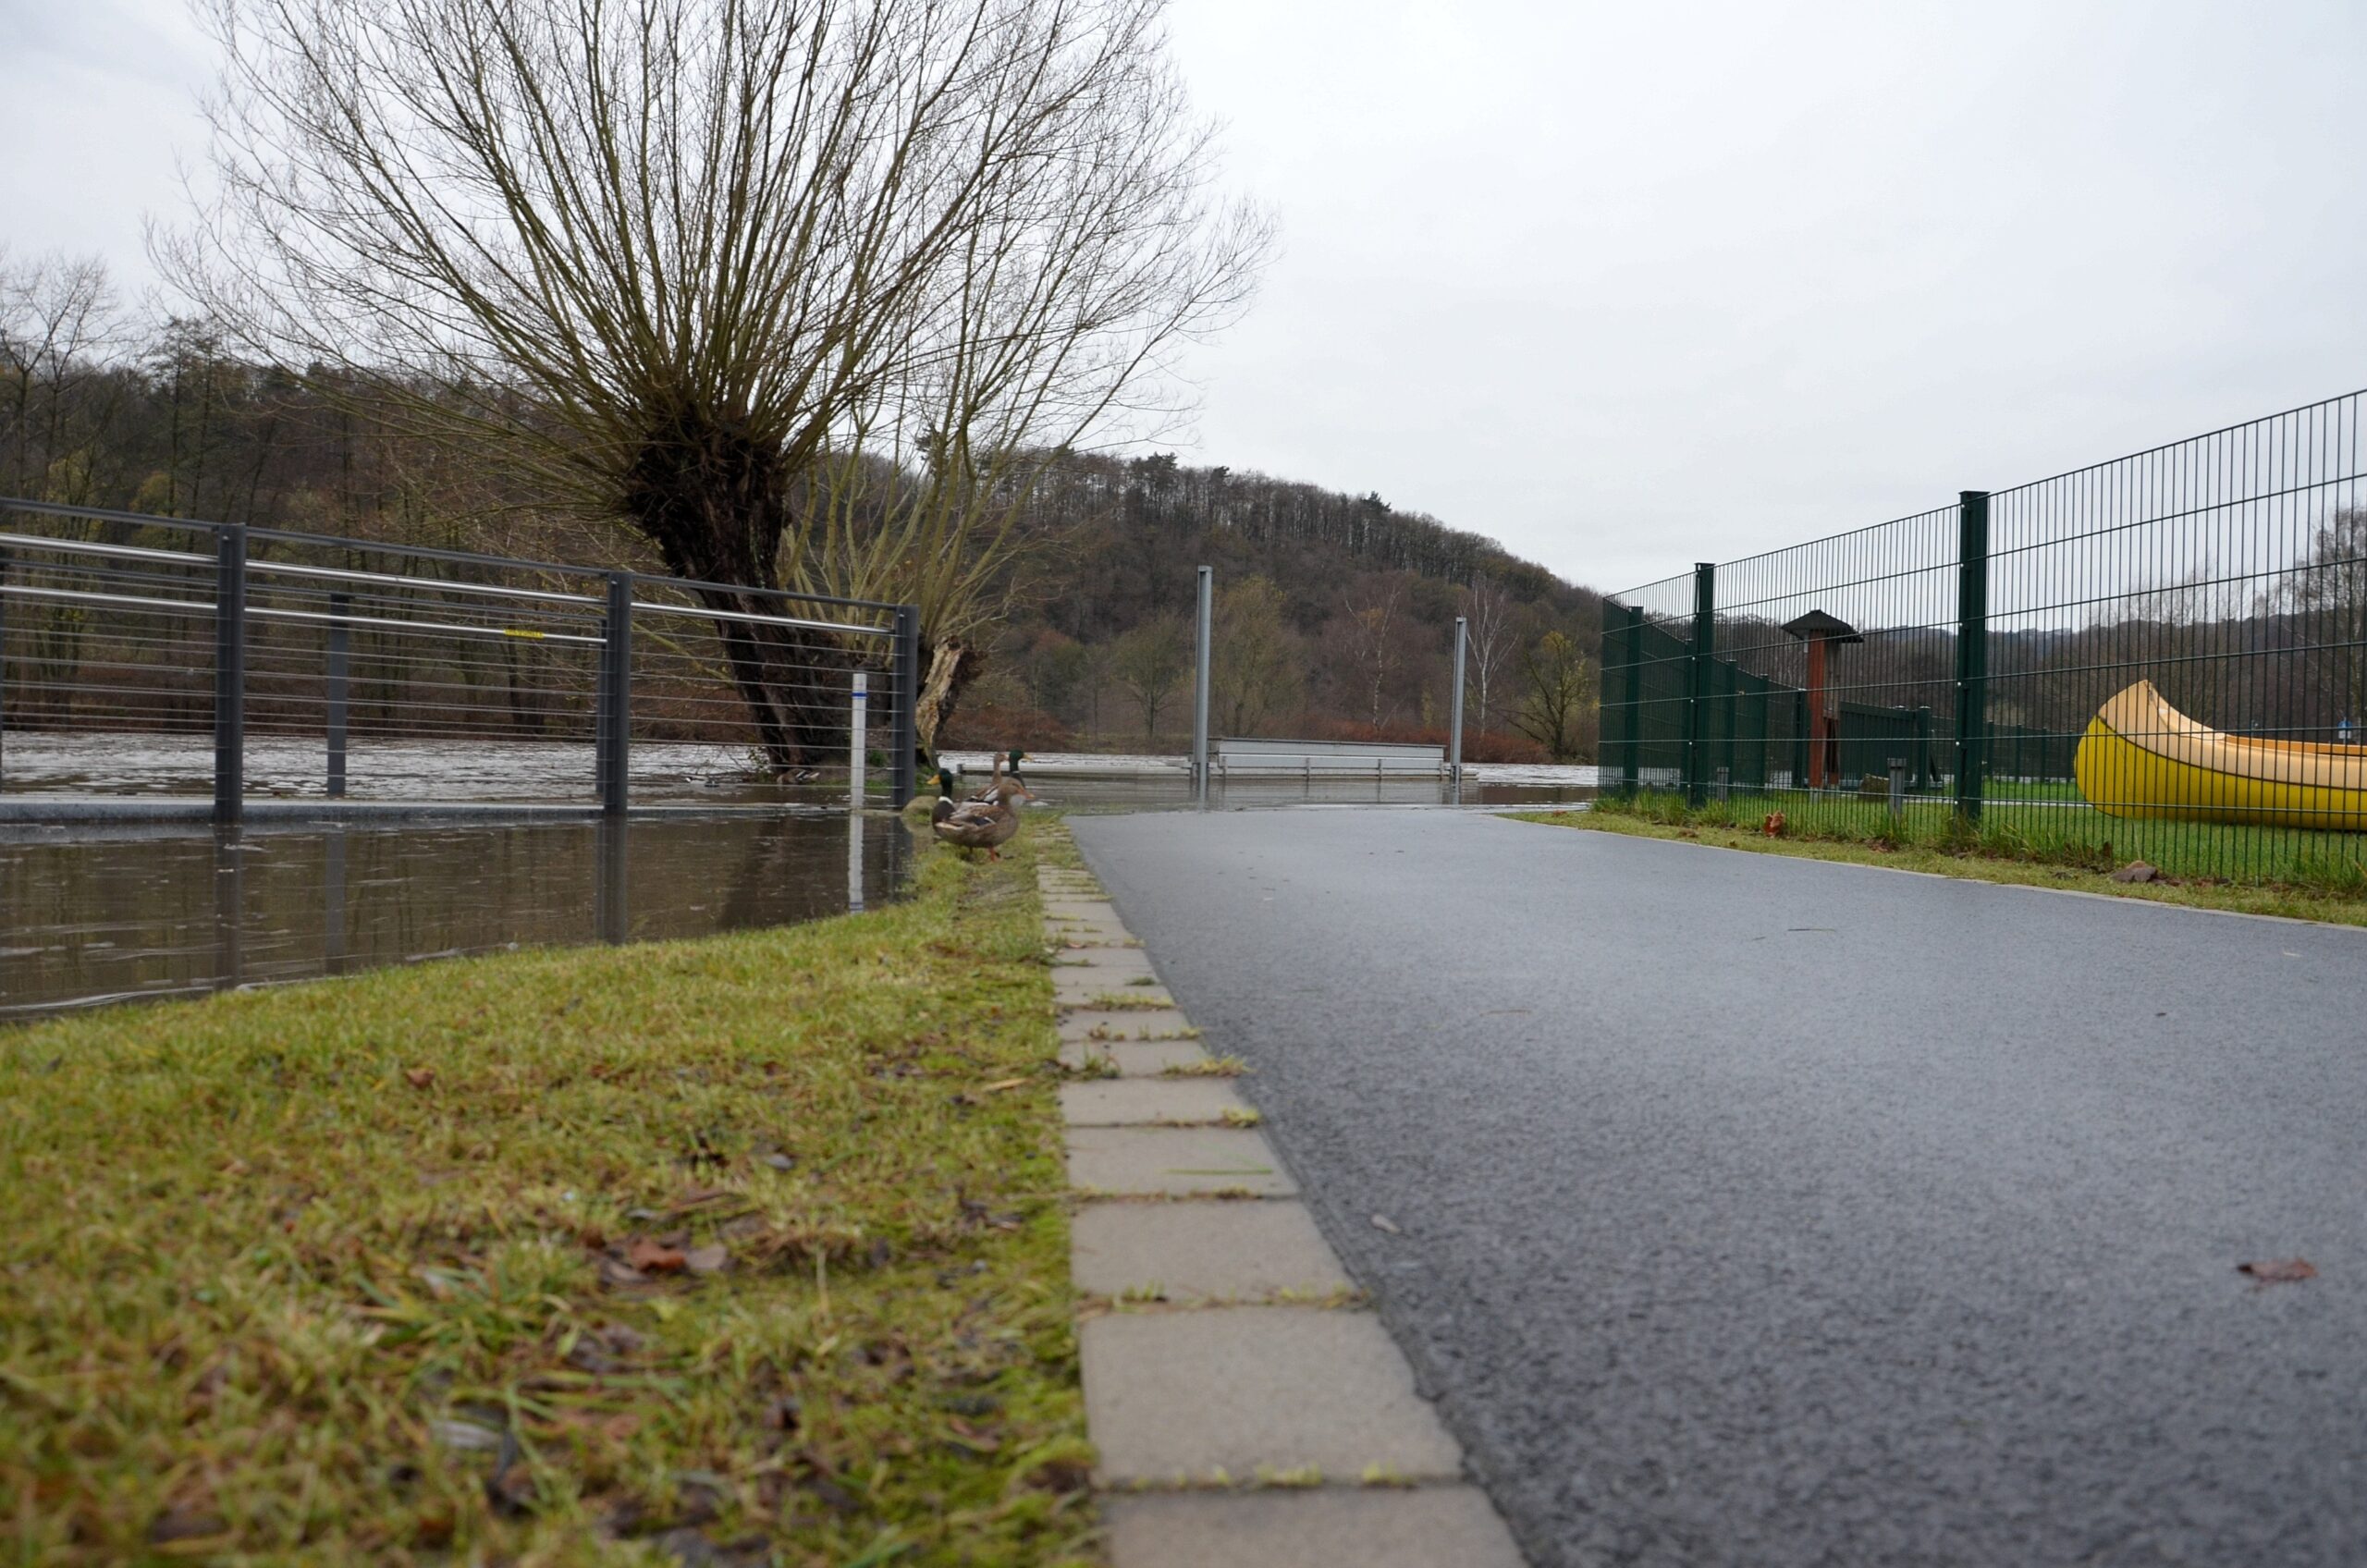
(1249, 1408)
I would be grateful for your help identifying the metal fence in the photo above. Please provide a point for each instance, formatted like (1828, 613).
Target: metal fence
(2163, 657)
(143, 655)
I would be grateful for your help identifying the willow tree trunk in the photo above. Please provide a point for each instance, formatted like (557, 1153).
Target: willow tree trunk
(949, 666)
(708, 494)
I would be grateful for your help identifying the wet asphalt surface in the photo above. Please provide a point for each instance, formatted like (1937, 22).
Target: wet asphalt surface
(1771, 1212)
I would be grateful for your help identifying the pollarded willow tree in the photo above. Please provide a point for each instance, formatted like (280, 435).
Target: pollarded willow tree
(804, 292)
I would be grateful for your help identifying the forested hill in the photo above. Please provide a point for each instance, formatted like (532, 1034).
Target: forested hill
(1336, 614)
(1312, 541)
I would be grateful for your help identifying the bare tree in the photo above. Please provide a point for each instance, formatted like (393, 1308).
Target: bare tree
(2330, 594)
(1148, 662)
(1489, 610)
(60, 321)
(1556, 687)
(1256, 660)
(799, 290)
(1373, 634)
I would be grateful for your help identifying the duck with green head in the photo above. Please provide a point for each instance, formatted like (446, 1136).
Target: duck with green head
(981, 824)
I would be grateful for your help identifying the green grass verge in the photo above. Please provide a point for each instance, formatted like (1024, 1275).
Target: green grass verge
(2069, 833)
(347, 1272)
(1993, 856)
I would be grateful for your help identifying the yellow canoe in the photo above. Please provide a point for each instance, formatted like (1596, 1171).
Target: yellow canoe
(2141, 757)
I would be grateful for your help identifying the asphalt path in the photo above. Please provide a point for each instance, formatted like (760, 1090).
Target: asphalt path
(1760, 1211)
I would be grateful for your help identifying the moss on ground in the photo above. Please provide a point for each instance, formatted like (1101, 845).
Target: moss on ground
(2000, 856)
(743, 1250)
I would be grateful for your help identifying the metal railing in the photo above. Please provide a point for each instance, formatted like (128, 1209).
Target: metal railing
(338, 667)
(1978, 672)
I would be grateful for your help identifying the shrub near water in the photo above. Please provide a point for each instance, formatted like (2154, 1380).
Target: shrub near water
(701, 1251)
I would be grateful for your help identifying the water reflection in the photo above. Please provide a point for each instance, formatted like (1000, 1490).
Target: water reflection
(107, 914)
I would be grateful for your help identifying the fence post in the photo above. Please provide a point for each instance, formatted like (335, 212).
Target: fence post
(857, 728)
(611, 893)
(1972, 648)
(230, 674)
(1454, 724)
(340, 647)
(1696, 685)
(1202, 658)
(613, 728)
(4, 664)
(907, 770)
(1631, 761)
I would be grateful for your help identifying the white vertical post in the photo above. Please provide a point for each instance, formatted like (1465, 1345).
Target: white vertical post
(856, 723)
(855, 742)
(1454, 726)
(1201, 689)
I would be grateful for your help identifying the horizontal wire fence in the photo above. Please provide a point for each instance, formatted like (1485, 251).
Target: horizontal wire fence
(2160, 657)
(145, 654)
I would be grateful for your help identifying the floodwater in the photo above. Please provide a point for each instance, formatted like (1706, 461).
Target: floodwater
(552, 772)
(95, 915)
(680, 773)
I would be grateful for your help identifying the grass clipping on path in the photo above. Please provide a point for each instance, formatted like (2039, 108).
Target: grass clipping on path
(1999, 856)
(557, 1257)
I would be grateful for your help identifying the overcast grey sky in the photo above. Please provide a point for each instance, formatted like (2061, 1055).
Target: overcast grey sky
(1632, 285)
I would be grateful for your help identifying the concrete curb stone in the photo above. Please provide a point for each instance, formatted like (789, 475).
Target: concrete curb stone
(1124, 1102)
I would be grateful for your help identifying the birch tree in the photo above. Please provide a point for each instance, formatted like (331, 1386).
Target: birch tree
(1490, 634)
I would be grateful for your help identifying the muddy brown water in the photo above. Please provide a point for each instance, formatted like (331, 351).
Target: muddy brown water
(95, 915)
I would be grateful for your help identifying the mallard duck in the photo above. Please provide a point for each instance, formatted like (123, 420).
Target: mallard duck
(993, 792)
(977, 825)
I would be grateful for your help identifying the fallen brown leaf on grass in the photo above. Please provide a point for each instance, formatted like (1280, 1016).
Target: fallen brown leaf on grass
(2284, 1271)
(653, 1257)
(420, 1077)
